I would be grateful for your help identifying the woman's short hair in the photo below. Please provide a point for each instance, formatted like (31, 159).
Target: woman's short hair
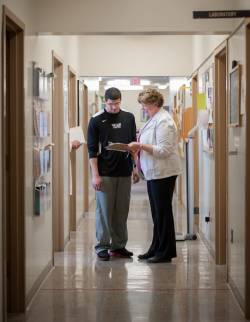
(151, 96)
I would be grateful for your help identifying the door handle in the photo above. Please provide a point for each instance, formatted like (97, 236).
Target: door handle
(233, 152)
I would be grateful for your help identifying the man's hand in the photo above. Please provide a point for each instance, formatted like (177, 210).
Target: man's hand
(135, 176)
(96, 182)
(75, 144)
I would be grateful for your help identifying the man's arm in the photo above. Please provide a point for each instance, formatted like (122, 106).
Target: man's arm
(96, 179)
(93, 146)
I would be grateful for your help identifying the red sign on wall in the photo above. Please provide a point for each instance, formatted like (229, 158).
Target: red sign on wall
(135, 81)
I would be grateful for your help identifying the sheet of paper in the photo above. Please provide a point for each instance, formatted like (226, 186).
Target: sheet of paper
(76, 134)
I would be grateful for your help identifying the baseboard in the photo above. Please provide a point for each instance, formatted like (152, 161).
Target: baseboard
(66, 240)
(236, 294)
(207, 244)
(38, 283)
(91, 202)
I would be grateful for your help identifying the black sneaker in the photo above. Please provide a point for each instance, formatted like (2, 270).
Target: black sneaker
(145, 256)
(122, 252)
(103, 255)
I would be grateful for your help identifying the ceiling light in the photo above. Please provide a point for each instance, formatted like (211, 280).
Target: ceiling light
(145, 82)
(162, 86)
(93, 85)
(126, 87)
(118, 82)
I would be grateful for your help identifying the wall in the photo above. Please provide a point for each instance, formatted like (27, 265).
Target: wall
(203, 46)
(1, 207)
(136, 55)
(236, 174)
(39, 248)
(117, 16)
(24, 10)
(206, 169)
(129, 103)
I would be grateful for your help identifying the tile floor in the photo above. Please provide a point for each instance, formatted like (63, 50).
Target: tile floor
(81, 288)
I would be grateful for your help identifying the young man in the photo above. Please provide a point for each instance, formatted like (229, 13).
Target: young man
(111, 175)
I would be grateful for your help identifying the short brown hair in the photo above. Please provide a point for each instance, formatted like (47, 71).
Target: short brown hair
(113, 94)
(151, 96)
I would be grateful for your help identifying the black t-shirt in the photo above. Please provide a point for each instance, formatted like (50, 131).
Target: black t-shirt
(105, 128)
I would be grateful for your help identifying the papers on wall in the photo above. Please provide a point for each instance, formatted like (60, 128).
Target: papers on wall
(41, 123)
(42, 161)
(201, 101)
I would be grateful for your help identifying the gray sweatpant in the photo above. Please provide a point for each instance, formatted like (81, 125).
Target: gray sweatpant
(112, 207)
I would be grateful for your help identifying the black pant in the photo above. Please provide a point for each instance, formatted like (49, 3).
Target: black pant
(160, 193)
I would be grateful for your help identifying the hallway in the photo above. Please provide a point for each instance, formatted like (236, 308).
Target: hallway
(81, 288)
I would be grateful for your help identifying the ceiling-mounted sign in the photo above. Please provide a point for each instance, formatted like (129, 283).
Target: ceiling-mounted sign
(221, 14)
(135, 81)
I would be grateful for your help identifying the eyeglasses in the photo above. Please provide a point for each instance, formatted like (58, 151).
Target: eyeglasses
(116, 103)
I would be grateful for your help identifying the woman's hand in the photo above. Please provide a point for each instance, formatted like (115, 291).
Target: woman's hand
(135, 176)
(134, 147)
(96, 182)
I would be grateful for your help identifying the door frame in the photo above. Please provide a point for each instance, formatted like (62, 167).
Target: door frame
(85, 121)
(72, 117)
(58, 156)
(220, 155)
(247, 180)
(195, 151)
(14, 163)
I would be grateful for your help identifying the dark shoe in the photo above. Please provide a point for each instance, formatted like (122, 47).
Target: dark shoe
(103, 255)
(157, 259)
(122, 252)
(145, 256)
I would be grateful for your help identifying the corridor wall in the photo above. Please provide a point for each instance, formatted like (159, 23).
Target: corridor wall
(236, 174)
(236, 141)
(38, 248)
(206, 162)
(1, 204)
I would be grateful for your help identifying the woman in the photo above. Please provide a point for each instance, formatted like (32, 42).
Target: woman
(160, 164)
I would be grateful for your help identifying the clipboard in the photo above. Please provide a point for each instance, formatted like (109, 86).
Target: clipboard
(120, 147)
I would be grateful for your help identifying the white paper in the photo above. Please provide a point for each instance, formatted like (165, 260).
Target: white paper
(76, 134)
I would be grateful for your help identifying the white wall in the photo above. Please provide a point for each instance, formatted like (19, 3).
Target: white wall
(1, 207)
(91, 16)
(206, 173)
(39, 229)
(24, 10)
(135, 55)
(236, 174)
(129, 103)
(203, 46)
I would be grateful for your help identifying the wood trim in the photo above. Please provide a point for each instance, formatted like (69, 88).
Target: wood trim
(17, 23)
(196, 147)
(72, 114)
(247, 179)
(72, 71)
(13, 156)
(57, 57)
(38, 283)
(85, 150)
(58, 155)
(213, 53)
(220, 155)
